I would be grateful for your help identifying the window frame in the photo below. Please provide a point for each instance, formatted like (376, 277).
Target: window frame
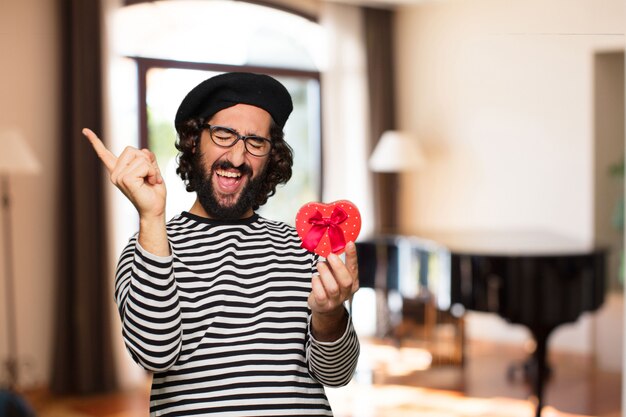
(145, 64)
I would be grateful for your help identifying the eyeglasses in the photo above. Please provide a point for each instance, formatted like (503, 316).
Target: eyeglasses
(225, 137)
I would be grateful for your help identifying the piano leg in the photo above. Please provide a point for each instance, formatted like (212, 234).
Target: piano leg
(540, 372)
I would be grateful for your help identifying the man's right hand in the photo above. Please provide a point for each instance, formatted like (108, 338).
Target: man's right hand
(136, 173)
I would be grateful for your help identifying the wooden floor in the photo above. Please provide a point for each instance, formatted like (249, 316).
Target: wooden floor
(479, 388)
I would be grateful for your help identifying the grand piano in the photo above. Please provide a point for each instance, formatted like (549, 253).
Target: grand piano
(536, 279)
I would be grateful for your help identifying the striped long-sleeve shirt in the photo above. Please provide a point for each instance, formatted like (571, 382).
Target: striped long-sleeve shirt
(223, 322)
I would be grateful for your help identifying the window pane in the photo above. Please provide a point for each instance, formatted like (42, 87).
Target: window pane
(165, 90)
(219, 31)
(302, 134)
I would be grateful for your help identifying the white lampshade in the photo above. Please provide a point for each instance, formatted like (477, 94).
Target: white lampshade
(15, 154)
(396, 152)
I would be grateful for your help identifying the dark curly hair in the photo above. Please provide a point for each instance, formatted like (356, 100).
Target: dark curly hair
(277, 171)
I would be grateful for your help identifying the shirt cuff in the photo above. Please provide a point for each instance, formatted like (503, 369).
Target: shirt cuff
(155, 258)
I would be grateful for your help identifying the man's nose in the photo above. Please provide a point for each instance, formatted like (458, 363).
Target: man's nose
(237, 153)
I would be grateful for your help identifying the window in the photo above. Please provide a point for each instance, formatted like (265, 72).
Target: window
(177, 44)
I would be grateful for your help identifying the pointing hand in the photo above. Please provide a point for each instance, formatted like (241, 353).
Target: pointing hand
(136, 173)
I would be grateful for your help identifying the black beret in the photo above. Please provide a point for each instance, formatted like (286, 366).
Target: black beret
(232, 88)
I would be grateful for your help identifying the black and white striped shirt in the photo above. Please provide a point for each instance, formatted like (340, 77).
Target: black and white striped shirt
(223, 322)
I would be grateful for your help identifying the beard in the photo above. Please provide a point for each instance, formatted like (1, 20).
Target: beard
(235, 207)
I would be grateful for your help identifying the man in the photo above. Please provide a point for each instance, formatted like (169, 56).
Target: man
(225, 308)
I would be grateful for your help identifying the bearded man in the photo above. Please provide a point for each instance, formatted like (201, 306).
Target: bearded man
(226, 309)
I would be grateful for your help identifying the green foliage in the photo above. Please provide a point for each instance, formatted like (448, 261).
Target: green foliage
(617, 170)
(161, 138)
(617, 219)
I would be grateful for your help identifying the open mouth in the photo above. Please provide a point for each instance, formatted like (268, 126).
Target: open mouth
(228, 180)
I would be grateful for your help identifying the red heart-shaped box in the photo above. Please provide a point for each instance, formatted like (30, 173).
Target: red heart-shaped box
(314, 222)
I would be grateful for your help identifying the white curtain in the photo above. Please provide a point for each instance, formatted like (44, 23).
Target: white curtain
(345, 111)
(120, 131)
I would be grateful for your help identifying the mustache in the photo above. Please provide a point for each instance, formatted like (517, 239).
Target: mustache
(244, 169)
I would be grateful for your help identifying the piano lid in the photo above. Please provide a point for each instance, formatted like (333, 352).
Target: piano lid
(509, 243)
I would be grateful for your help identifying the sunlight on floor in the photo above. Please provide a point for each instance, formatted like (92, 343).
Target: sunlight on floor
(360, 400)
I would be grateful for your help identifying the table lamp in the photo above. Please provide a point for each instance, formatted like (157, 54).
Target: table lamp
(395, 152)
(16, 158)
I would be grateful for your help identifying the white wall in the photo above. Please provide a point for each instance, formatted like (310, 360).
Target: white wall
(29, 80)
(500, 92)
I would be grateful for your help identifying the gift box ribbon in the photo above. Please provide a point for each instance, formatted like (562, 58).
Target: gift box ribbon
(321, 225)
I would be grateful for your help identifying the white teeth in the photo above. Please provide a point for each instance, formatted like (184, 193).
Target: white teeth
(229, 174)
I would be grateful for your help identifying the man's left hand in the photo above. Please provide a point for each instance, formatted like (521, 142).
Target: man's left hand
(336, 283)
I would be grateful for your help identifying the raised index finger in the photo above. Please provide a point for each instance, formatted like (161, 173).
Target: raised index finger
(104, 154)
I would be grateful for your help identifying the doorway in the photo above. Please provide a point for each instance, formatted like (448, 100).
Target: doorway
(609, 201)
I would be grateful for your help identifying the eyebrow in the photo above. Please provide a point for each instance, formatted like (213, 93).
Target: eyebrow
(245, 134)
